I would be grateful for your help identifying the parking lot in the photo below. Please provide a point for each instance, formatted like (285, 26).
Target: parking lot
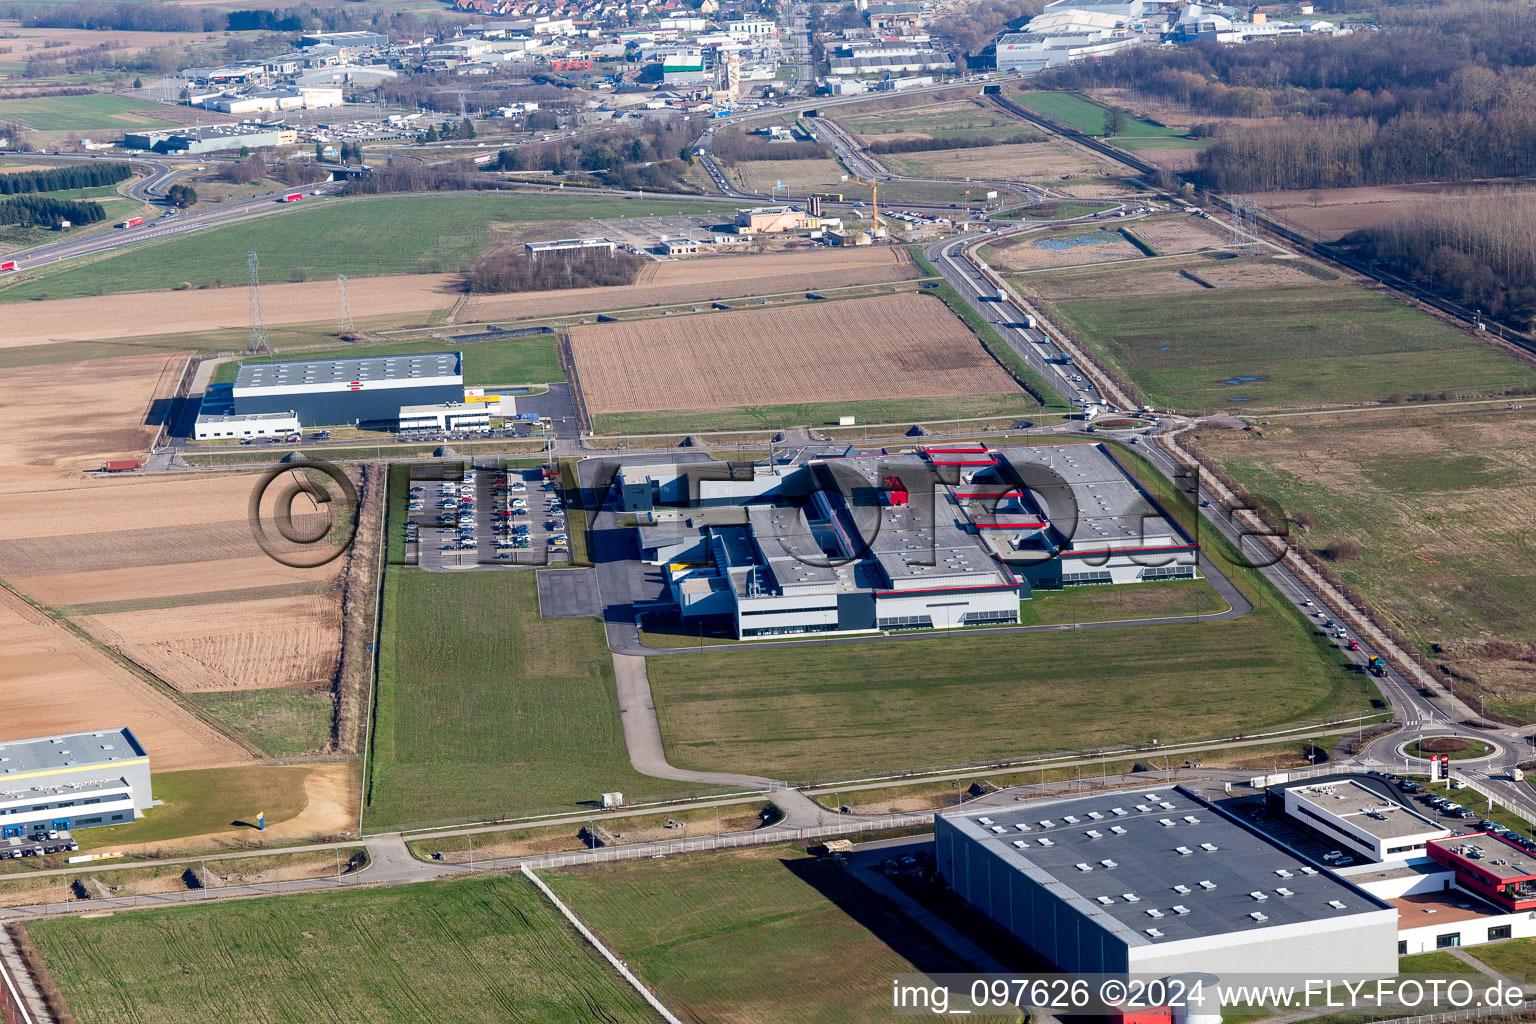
(488, 519)
(37, 844)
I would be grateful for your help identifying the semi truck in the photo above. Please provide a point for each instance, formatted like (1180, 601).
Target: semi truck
(1376, 666)
(7, 266)
(120, 465)
(132, 222)
(292, 197)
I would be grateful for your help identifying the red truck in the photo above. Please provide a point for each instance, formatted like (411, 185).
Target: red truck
(120, 465)
(292, 197)
(132, 222)
(7, 266)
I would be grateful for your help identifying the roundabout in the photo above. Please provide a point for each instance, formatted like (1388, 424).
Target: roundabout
(1455, 748)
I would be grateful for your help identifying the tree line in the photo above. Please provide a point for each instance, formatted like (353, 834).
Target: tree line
(1476, 251)
(56, 178)
(1443, 92)
(46, 212)
(648, 159)
(509, 271)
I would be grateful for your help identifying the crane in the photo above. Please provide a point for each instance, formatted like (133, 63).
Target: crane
(874, 198)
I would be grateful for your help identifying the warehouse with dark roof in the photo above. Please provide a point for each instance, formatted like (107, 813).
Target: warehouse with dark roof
(333, 392)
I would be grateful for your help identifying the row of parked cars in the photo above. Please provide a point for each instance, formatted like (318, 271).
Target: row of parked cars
(39, 844)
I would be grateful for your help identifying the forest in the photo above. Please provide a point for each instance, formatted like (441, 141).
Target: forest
(46, 212)
(644, 159)
(1474, 251)
(1439, 93)
(56, 178)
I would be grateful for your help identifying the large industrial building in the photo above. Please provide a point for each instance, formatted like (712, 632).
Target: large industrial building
(72, 781)
(1360, 814)
(426, 389)
(883, 542)
(1160, 882)
(209, 138)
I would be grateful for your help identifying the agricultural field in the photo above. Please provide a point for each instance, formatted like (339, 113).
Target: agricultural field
(353, 237)
(1028, 161)
(1440, 506)
(1074, 247)
(749, 935)
(1329, 214)
(484, 710)
(706, 279)
(941, 119)
(798, 176)
(1259, 333)
(96, 112)
(1178, 234)
(166, 573)
(492, 949)
(889, 347)
(1086, 116)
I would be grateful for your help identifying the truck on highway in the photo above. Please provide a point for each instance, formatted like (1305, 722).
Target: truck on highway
(7, 266)
(291, 197)
(1376, 666)
(132, 222)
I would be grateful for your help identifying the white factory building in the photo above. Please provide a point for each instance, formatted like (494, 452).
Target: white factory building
(1063, 35)
(72, 781)
(1160, 882)
(212, 426)
(1357, 817)
(930, 538)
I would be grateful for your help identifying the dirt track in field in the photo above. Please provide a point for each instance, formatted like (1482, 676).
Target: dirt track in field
(893, 346)
(137, 314)
(236, 645)
(707, 278)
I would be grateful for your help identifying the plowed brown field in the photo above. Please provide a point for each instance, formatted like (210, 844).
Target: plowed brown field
(287, 641)
(705, 279)
(52, 681)
(894, 346)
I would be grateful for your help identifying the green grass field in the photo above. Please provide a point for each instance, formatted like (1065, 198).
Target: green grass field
(1436, 502)
(1080, 112)
(485, 710)
(1309, 342)
(282, 721)
(1134, 142)
(754, 935)
(1432, 963)
(386, 235)
(474, 950)
(980, 120)
(1112, 604)
(207, 800)
(96, 112)
(507, 361)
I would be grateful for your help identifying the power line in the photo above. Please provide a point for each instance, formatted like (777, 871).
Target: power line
(258, 338)
(343, 308)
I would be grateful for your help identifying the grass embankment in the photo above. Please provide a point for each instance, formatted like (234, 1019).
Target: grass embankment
(93, 112)
(750, 934)
(207, 800)
(416, 234)
(1434, 500)
(1277, 338)
(281, 721)
(901, 412)
(474, 950)
(842, 710)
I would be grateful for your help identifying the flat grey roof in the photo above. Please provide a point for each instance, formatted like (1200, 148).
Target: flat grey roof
(70, 750)
(1111, 509)
(1366, 810)
(1121, 856)
(215, 417)
(335, 371)
(1491, 854)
